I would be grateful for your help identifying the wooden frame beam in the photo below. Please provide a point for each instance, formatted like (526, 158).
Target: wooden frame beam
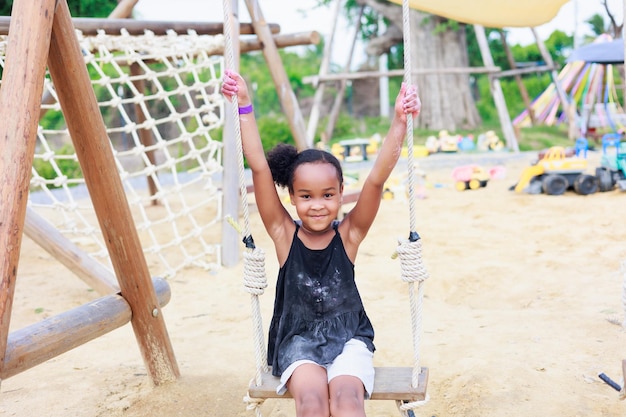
(47, 339)
(35, 344)
(93, 149)
(316, 79)
(90, 26)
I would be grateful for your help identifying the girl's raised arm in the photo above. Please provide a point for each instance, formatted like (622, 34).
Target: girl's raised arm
(271, 209)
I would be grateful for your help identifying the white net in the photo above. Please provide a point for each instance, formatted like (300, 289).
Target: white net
(160, 101)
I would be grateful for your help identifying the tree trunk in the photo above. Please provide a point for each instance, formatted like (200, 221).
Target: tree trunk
(447, 102)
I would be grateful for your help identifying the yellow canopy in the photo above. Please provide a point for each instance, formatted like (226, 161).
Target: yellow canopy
(492, 13)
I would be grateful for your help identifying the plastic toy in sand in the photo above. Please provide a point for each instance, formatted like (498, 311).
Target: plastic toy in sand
(473, 177)
(489, 141)
(557, 170)
(467, 143)
(448, 142)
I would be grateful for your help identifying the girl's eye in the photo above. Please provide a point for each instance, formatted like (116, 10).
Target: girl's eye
(328, 195)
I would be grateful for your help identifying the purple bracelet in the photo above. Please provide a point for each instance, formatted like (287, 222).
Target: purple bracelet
(245, 109)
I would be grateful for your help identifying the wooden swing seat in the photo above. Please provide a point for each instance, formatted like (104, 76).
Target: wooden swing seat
(390, 383)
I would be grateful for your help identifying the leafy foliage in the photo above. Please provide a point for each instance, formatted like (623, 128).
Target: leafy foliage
(69, 167)
(78, 8)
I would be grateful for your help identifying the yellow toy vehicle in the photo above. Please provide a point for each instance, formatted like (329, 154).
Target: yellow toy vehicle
(470, 177)
(555, 172)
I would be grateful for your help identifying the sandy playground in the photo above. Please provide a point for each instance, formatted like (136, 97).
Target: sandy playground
(519, 314)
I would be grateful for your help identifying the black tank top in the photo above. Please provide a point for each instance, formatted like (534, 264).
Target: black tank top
(317, 308)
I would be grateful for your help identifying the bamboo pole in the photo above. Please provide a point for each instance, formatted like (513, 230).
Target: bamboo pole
(86, 127)
(316, 79)
(334, 112)
(518, 78)
(281, 81)
(20, 100)
(63, 332)
(281, 41)
(319, 91)
(496, 91)
(521, 71)
(568, 108)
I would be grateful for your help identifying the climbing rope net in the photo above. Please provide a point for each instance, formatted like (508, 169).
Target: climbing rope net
(159, 98)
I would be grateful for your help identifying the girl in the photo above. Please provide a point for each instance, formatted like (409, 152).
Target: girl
(320, 338)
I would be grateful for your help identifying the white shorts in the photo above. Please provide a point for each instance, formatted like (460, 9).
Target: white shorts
(355, 360)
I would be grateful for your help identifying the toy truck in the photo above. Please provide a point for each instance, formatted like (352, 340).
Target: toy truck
(470, 177)
(612, 171)
(555, 172)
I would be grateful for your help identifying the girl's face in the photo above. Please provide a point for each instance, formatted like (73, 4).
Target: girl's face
(316, 195)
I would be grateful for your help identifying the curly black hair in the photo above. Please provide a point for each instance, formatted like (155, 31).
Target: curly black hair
(283, 160)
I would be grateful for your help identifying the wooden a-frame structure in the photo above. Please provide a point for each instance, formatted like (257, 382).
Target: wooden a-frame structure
(41, 32)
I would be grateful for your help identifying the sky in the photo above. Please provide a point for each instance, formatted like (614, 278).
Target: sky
(302, 16)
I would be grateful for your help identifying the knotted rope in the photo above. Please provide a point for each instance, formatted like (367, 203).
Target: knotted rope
(410, 250)
(254, 278)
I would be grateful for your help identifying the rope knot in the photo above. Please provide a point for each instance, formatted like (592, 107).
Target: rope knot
(254, 278)
(253, 404)
(411, 265)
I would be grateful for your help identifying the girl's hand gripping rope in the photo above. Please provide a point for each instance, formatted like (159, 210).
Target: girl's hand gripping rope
(408, 101)
(233, 85)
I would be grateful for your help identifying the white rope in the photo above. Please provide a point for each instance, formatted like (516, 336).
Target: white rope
(406, 407)
(412, 271)
(406, 29)
(410, 251)
(255, 280)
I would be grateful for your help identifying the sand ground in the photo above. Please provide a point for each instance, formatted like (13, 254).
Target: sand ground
(519, 314)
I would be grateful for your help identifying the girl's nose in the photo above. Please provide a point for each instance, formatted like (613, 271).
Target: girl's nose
(317, 204)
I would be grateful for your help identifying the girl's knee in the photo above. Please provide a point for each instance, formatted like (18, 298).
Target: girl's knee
(312, 404)
(347, 404)
(347, 398)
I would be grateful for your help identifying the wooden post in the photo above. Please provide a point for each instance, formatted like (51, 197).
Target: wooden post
(274, 62)
(568, 108)
(145, 135)
(334, 113)
(231, 241)
(496, 91)
(319, 91)
(62, 249)
(90, 26)
(93, 149)
(518, 78)
(20, 100)
(58, 334)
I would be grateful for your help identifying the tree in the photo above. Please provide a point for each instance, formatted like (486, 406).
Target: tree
(437, 43)
(78, 8)
(598, 25)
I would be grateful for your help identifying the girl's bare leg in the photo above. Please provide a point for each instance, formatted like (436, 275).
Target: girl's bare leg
(309, 387)
(347, 397)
